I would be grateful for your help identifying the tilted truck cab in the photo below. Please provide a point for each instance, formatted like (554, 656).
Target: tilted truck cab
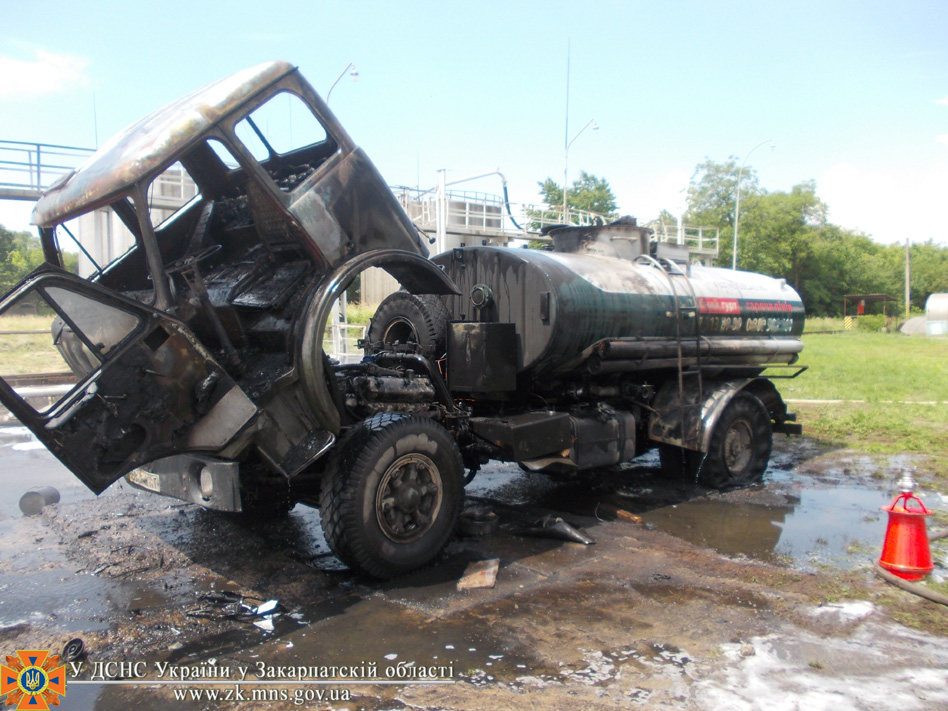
(197, 355)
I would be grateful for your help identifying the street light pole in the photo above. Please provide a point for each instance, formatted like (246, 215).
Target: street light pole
(592, 122)
(737, 205)
(353, 73)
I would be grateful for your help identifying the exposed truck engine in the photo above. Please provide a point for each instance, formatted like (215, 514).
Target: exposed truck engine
(197, 355)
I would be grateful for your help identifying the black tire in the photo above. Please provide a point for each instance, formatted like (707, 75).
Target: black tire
(740, 445)
(409, 318)
(392, 495)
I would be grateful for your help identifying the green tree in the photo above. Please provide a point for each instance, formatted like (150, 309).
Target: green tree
(21, 253)
(712, 193)
(778, 231)
(587, 193)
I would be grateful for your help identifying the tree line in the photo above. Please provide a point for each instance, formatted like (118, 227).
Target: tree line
(789, 235)
(21, 253)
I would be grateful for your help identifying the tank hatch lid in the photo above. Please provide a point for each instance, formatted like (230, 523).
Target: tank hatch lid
(149, 143)
(623, 238)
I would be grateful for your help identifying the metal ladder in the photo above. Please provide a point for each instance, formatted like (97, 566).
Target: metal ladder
(669, 270)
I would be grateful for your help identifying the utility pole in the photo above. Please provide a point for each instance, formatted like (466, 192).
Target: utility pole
(908, 277)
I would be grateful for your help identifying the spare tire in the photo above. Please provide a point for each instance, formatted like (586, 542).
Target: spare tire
(410, 319)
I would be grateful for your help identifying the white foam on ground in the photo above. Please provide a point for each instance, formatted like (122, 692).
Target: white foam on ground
(880, 668)
(853, 610)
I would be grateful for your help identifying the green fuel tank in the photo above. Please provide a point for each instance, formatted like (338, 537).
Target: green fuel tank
(601, 309)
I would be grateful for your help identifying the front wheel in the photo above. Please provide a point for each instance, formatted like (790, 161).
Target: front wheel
(393, 495)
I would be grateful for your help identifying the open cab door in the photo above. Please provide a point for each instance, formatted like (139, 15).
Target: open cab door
(139, 385)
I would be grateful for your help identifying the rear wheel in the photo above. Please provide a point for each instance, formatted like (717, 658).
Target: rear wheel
(740, 445)
(393, 495)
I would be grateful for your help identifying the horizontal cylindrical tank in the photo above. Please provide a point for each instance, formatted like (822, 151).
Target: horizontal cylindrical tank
(570, 308)
(936, 314)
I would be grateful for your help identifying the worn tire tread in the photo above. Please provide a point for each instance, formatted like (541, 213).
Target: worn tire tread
(341, 507)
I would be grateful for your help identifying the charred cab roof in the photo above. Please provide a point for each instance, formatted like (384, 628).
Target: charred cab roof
(147, 144)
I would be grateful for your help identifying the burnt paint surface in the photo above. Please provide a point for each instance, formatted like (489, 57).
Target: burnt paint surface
(147, 399)
(242, 264)
(564, 303)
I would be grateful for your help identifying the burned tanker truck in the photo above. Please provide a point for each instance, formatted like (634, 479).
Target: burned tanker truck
(196, 356)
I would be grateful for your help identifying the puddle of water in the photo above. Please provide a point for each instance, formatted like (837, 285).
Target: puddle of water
(377, 630)
(819, 524)
(74, 600)
(27, 465)
(833, 520)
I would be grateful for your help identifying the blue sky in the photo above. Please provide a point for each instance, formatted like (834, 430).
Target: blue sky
(854, 94)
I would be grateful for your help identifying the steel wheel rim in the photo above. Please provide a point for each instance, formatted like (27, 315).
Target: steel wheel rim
(399, 329)
(738, 449)
(408, 498)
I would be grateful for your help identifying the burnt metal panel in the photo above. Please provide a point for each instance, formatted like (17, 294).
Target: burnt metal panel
(527, 436)
(482, 357)
(179, 476)
(565, 303)
(145, 145)
(689, 421)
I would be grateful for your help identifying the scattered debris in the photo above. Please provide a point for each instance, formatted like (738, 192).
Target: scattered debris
(480, 574)
(555, 527)
(74, 650)
(234, 606)
(32, 502)
(626, 516)
(478, 521)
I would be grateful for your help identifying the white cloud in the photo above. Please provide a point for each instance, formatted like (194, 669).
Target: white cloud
(45, 73)
(889, 205)
(943, 138)
(15, 215)
(944, 101)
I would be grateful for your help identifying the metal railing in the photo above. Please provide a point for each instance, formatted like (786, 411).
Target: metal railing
(27, 169)
(342, 341)
(700, 240)
(484, 214)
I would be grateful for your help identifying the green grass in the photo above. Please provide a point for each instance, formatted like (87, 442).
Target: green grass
(858, 365)
(360, 313)
(889, 372)
(28, 353)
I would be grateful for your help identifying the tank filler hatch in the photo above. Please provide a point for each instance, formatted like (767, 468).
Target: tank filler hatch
(623, 238)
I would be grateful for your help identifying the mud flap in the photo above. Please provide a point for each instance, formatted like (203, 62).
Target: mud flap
(153, 390)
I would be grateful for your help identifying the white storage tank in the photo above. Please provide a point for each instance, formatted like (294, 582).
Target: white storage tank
(936, 313)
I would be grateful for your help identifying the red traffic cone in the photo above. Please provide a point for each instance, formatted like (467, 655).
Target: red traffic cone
(905, 552)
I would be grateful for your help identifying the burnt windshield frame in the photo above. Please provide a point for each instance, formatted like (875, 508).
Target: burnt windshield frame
(321, 150)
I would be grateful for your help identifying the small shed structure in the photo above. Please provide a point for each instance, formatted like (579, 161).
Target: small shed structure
(855, 304)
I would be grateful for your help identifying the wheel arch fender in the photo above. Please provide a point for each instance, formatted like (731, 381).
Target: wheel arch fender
(416, 273)
(701, 418)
